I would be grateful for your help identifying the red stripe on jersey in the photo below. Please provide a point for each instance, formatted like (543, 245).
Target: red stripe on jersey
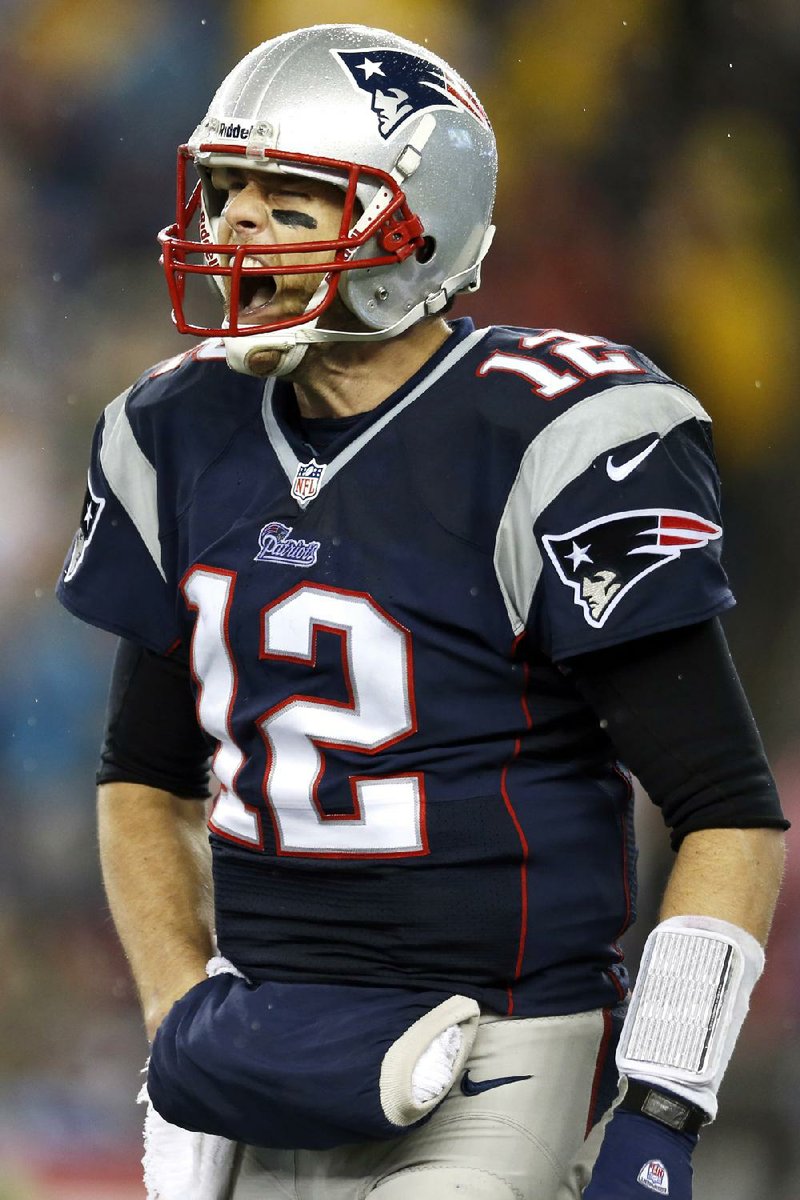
(523, 880)
(602, 1055)
(523, 869)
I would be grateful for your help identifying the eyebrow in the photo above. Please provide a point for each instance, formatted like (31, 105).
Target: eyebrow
(287, 216)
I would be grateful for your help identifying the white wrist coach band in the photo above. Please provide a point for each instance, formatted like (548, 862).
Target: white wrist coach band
(691, 996)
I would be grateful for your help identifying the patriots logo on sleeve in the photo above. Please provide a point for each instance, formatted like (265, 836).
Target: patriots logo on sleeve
(90, 515)
(602, 560)
(400, 85)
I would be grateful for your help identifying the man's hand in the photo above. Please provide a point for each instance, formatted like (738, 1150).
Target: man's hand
(157, 1008)
(641, 1158)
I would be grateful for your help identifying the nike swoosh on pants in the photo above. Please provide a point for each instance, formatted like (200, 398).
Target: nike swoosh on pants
(474, 1087)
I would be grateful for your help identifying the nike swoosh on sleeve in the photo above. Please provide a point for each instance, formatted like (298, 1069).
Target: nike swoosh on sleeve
(618, 473)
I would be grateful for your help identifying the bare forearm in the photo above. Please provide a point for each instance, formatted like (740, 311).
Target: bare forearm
(732, 874)
(156, 871)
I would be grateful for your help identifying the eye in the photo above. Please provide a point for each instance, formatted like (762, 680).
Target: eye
(226, 181)
(304, 196)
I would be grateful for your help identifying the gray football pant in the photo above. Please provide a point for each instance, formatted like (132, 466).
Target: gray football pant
(517, 1141)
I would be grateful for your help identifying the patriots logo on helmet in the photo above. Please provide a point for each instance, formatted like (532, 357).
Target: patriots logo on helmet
(401, 85)
(602, 560)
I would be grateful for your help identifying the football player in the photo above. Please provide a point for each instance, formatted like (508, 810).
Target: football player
(428, 594)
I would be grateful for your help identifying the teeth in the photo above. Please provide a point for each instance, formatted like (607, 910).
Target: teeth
(256, 292)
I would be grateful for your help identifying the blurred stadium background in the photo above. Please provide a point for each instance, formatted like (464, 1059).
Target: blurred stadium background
(650, 170)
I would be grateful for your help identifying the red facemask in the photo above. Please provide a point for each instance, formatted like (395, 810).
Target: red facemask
(398, 231)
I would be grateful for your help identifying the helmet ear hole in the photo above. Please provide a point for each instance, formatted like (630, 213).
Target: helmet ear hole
(426, 250)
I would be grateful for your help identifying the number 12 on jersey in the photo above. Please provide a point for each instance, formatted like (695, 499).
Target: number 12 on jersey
(388, 813)
(588, 356)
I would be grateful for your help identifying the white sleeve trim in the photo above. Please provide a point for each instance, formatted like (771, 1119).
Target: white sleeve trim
(131, 477)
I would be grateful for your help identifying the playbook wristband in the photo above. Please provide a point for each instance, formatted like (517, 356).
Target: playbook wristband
(691, 996)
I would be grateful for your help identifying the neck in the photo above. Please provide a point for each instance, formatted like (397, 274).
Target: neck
(338, 380)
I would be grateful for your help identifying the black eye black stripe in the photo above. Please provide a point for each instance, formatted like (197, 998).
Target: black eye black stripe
(286, 217)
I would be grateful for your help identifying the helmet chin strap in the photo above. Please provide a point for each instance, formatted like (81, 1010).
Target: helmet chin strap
(295, 341)
(239, 350)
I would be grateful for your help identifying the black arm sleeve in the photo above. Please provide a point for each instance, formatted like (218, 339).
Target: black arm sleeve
(152, 735)
(677, 716)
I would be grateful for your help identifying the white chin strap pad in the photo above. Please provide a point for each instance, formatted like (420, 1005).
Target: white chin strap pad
(238, 351)
(691, 997)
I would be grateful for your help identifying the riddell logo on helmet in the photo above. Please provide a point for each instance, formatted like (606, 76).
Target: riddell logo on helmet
(230, 129)
(235, 131)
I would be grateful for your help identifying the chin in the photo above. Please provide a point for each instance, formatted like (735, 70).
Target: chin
(264, 362)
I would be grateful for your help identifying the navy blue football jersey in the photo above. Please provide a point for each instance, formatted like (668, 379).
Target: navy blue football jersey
(411, 791)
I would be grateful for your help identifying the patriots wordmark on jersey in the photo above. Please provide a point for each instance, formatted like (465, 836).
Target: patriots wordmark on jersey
(411, 791)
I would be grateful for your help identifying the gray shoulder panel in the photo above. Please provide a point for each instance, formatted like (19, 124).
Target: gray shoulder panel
(559, 454)
(131, 476)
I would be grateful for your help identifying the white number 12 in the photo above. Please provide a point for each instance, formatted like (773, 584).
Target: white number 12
(388, 813)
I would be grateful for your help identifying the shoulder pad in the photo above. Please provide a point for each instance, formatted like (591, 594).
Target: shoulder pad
(192, 398)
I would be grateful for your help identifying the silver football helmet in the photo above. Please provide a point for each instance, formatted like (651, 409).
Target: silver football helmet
(384, 119)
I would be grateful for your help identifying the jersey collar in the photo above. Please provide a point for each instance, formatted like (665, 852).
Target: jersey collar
(286, 440)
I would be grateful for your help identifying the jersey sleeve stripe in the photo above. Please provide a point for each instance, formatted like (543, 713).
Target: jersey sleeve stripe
(131, 477)
(560, 454)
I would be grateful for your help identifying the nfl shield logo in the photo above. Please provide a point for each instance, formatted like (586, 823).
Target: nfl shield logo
(653, 1175)
(307, 479)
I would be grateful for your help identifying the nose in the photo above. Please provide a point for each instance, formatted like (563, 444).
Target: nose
(246, 212)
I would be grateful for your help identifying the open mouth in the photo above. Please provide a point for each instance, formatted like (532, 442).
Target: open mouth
(256, 292)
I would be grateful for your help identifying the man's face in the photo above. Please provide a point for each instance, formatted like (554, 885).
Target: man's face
(268, 209)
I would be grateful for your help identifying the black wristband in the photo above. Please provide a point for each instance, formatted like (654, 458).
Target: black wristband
(664, 1107)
